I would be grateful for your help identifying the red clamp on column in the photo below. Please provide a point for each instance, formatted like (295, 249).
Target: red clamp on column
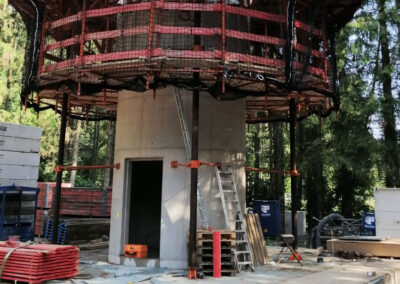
(194, 164)
(192, 274)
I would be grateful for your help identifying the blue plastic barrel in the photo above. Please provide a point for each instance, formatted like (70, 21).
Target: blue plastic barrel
(368, 222)
(269, 213)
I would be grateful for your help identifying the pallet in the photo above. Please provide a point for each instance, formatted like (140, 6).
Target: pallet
(209, 243)
(224, 272)
(207, 235)
(205, 252)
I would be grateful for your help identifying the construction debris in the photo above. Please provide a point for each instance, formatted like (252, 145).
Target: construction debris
(359, 248)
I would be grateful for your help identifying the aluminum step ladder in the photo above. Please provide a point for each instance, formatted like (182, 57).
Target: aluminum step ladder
(188, 146)
(234, 217)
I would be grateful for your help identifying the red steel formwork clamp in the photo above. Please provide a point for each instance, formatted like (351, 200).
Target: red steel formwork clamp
(194, 164)
(61, 168)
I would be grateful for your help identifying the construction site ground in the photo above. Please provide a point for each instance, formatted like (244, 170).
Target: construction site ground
(94, 269)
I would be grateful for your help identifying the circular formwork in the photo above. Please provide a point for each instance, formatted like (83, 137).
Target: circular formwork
(268, 52)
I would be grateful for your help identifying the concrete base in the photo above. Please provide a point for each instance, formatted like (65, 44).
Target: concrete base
(141, 262)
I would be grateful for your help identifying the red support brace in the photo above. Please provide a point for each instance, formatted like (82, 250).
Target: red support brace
(194, 164)
(217, 254)
(80, 168)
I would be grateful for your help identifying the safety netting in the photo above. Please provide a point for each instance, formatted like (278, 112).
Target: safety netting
(265, 51)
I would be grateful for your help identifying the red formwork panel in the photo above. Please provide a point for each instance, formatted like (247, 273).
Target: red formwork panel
(80, 202)
(45, 196)
(87, 202)
(38, 263)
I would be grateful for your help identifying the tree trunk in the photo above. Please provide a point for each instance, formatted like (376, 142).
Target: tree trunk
(277, 163)
(257, 163)
(95, 152)
(75, 151)
(388, 103)
(110, 156)
(398, 25)
(10, 74)
(312, 172)
(345, 183)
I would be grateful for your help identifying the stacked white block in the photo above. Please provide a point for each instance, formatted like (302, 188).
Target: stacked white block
(387, 212)
(19, 154)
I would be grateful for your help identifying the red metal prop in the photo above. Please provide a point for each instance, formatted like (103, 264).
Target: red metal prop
(194, 164)
(60, 168)
(217, 254)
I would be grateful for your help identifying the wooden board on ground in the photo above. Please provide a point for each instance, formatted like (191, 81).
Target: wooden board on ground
(256, 239)
(101, 245)
(385, 248)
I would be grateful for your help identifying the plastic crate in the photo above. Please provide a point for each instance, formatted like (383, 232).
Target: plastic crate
(18, 212)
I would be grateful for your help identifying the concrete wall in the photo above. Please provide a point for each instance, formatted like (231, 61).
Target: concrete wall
(150, 129)
(387, 212)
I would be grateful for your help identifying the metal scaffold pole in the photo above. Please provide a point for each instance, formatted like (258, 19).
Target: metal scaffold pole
(293, 113)
(60, 162)
(195, 156)
(193, 181)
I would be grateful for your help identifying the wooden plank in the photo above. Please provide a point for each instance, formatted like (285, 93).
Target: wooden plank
(246, 222)
(256, 240)
(19, 144)
(20, 131)
(19, 159)
(19, 172)
(264, 251)
(386, 248)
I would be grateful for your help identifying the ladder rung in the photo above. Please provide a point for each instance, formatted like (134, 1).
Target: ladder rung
(240, 231)
(245, 262)
(228, 190)
(243, 252)
(241, 241)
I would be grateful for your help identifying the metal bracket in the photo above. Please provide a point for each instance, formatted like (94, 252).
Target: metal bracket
(61, 168)
(194, 164)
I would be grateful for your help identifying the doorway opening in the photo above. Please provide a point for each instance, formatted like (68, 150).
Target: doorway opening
(145, 205)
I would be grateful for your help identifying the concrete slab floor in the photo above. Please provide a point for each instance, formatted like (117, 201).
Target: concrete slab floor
(94, 270)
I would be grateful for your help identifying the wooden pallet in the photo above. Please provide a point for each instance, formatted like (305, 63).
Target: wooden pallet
(227, 269)
(207, 235)
(205, 252)
(224, 243)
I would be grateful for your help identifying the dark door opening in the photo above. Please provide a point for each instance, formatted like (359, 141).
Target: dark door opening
(145, 205)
